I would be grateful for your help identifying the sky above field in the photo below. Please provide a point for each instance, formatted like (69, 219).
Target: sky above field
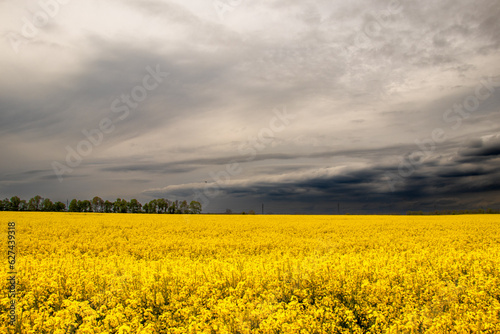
(305, 106)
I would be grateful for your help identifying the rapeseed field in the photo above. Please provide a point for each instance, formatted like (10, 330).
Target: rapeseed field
(126, 273)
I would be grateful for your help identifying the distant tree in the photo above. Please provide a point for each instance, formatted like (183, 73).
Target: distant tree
(168, 203)
(23, 205)
(73, 206)
(195, 207)
(183, 207)
(85, 205)
(162, 205)
(7, 204)
(251, 212)
(59, 206)
(116, 205)
(120, 206)
(124, 206)
(97, 204)
(47, 205)
(4, 205)
(229, 211)
(134, 206)
(14, 203)
(108, 206)
(34, 203)
(173, 208)
(153, 206)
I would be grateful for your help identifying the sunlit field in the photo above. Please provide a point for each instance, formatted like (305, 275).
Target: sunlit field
(126, 273)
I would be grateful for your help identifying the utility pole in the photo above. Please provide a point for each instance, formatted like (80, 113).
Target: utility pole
(262, 208)
(338, 208)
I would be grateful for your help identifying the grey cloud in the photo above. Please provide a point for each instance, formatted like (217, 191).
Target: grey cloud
(152, 168)
(364, 80)
(483, 148)
(430, 182)
(192, 164)
(463, 172)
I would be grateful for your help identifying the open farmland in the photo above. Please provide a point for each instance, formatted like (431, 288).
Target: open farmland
(125, 273)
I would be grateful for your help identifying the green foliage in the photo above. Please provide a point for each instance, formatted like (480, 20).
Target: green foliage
(59, 207)
(195, 207)
(35, 203)
(134, 206)
(5, 205)
(108, 206)
(47, 205)
(73, 206)
(14, 203)
(97, 204)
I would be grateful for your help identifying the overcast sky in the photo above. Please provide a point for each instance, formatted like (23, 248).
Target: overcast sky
(381, 106)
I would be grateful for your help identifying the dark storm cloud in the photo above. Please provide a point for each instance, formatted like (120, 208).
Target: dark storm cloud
(463, 172)
(150, 168)
(53, 177)
(367, 188)
(482, 148)
(193, 164)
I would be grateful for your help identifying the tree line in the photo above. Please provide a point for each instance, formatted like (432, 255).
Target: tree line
(97, 204)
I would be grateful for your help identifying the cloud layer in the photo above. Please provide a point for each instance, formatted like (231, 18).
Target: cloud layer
(383, 106)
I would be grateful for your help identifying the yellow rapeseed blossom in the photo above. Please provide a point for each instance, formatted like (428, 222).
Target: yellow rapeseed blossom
(124, 273)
